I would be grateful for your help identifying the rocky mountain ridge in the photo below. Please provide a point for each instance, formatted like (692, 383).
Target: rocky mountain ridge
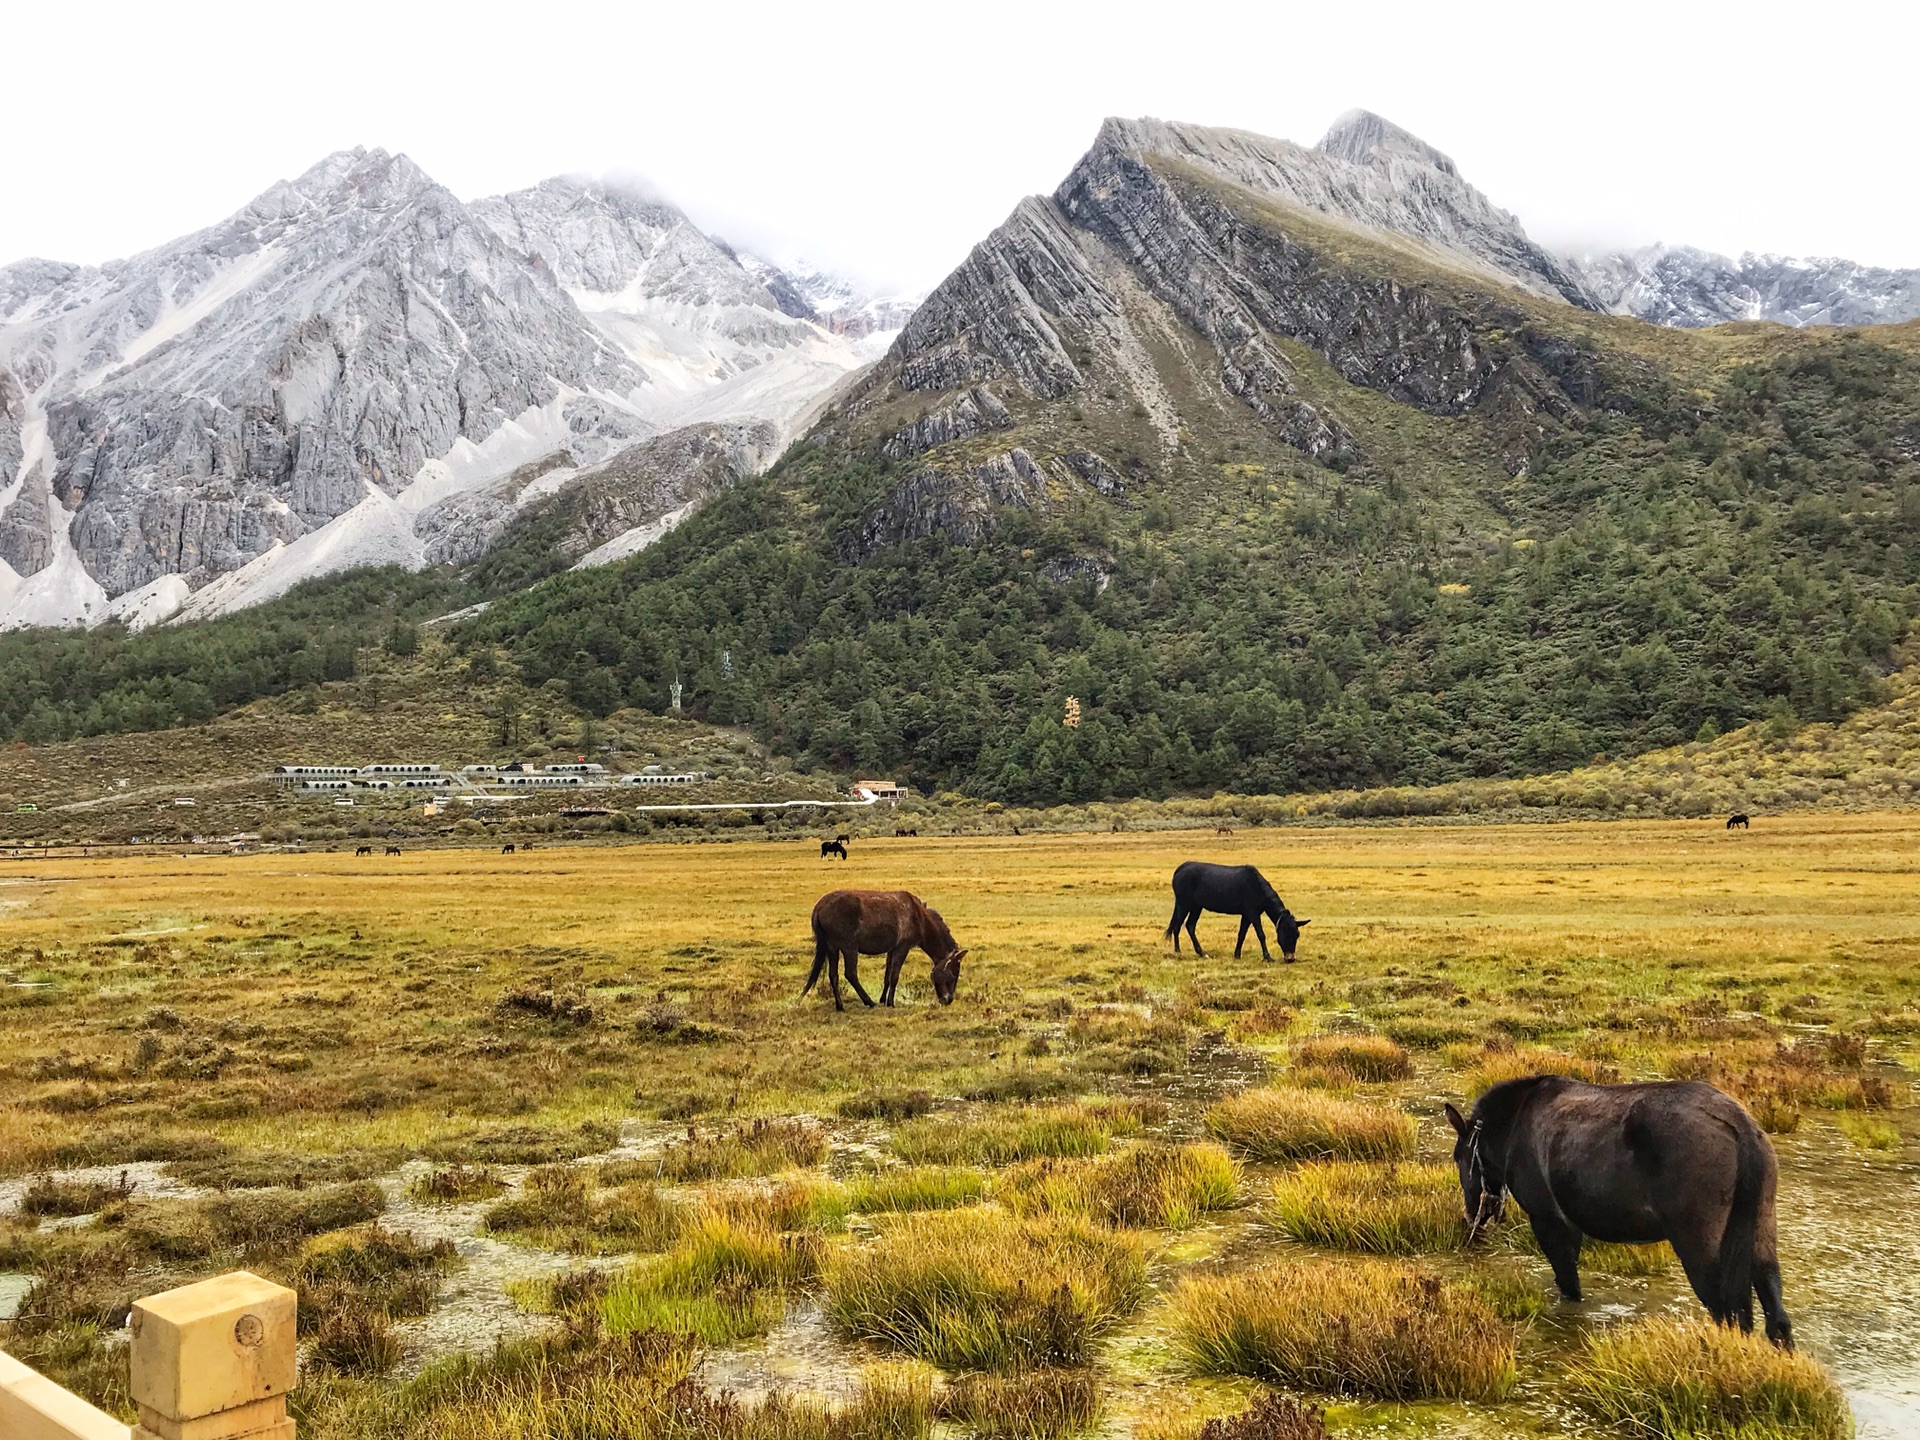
(1682, 286)
(301, 387)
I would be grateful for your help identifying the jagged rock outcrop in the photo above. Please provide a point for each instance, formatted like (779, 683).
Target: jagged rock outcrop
(972, 413)
(960, 504)
(580, 510)
(1679, 285)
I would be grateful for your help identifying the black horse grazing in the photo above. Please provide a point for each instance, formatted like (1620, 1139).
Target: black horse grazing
(850, 923)
(393, 849)
(364, 850)
(507, 849)
(833, 847)
(1739, 822)
(1672, 1160)
(1231, 890)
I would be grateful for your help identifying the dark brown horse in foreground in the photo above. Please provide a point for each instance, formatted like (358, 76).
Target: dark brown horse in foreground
(850, 923)
(1669, 1160)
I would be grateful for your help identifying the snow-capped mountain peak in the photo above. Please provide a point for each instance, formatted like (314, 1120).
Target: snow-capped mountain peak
(309, 383)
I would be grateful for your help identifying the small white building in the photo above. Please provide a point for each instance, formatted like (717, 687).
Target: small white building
(584, 767)
(408, 768)
(656, 778)
(312, 785)
(886, 790)
(526, 779)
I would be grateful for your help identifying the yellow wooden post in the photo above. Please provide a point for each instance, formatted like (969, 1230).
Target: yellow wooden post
(32, 1407)
(214, 1361)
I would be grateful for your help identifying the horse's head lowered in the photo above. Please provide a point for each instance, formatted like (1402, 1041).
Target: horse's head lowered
(1483, 1187)
(1286, 929)
(946, 960)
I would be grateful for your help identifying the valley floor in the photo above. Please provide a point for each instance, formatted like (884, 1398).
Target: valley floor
(612, 1035)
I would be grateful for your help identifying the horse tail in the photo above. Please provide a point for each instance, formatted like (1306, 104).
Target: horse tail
(1734, 1266)
(819, 956)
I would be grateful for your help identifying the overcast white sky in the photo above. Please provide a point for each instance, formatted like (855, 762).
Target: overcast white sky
(886, 138)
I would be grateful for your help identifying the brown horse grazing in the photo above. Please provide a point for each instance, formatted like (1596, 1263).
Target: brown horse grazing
(851, 923)
(1672, 1160)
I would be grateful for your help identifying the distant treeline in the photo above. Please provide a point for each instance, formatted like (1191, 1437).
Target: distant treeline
(57, 684)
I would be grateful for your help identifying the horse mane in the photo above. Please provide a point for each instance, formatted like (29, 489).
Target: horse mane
(1496, 1109)
(1279, 905)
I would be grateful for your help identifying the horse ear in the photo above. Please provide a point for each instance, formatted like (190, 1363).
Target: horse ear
(1456, 1119)
(1302, 923)
(958, 956)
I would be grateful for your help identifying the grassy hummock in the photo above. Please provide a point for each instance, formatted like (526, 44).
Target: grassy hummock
(982, 1290)
(1694, 1380)
(1384, 1209)
(1151, 1186)
(1292, 1124)
(1350, 1327)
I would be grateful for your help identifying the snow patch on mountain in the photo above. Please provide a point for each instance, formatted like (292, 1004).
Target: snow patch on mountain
(1682, 286)
(631, 542)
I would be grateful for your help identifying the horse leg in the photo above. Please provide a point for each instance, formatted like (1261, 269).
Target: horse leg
(1173, 926)
(896, 961)
(1560, 1243)
(1246, 924)
(1766, 1282)
(1261, 931)
(833, 978)
(1193, 919)
(1701, 1263)
(853, 978)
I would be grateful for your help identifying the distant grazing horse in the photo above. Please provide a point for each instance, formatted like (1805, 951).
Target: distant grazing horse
(1672, 1160)
(1231, 890)
(1738, 822)
(507, 849)
(1223, 830)
(393, 849)
(364, 850)
(850, 923)
(526, 844)
(830, 848)
(903, 834)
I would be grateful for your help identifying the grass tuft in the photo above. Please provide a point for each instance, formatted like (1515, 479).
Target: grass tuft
(916, 1187)
(1002, 1138)
(1869, 1132)
(1693, 1380)
(1286, 1124)
(1033, 1405)
(1383, 1209)
(983, 1290)
(1355, 1327)
(1153, 1186)
(1364, 1057)
(558, 1208)
(452, 1184)
(760, 1147)
(46, 1196)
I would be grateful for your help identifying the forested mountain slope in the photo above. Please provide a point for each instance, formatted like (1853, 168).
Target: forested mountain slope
(1286, 499)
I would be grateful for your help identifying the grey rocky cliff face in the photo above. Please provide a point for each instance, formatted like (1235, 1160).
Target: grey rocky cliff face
(1177, 269)
(318, 380)
(252, 382)
(635, 487)
(1679, 285)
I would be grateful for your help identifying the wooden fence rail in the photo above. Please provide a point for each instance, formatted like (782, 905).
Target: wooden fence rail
(212, 1361)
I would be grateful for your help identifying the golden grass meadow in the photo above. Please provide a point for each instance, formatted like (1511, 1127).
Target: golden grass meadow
(553, 1147)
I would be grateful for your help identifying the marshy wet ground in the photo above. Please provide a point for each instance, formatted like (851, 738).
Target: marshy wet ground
(314, 1013)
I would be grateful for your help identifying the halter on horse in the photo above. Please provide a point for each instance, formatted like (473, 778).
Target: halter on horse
(1492, 1204)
